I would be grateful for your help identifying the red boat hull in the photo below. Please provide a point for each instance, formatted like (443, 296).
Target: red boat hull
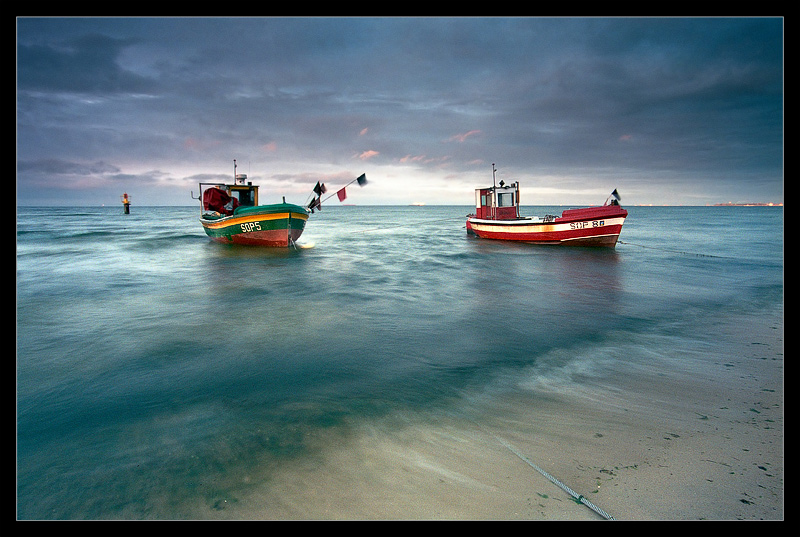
(272, 238)
(591, 226)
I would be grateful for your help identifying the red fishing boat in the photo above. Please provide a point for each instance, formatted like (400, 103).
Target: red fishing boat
(497, 217)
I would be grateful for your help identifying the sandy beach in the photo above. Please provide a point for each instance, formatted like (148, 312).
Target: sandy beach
(704, 442)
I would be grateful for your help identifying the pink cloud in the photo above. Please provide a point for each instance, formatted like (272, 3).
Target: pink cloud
(462, 137)
(424, 159)
(270, 147)
(368, 155)
(410, 158)
(363, 131)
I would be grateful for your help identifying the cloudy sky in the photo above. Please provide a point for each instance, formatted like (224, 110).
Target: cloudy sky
(667, 111)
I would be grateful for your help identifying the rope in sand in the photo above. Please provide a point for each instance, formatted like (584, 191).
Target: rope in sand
(578, 497)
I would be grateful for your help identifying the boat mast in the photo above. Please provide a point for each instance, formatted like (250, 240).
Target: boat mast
(494, 191)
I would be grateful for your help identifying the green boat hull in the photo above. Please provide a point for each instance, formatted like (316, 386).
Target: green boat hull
(278, 225)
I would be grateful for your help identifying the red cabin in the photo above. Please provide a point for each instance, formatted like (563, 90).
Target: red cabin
(497, 202)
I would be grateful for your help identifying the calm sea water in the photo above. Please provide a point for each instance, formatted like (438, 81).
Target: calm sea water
(156, 368)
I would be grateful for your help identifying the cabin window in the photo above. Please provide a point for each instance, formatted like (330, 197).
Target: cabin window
(484, 200)
(505, 199)
(246, 197)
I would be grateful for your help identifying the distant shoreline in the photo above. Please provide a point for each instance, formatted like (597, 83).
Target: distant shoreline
(731, 204)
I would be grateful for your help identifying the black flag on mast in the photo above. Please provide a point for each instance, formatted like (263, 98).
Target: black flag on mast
(316, 203)
(616, 199)
(320, 189)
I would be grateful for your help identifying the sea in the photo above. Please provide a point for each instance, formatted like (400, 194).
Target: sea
(160, 375)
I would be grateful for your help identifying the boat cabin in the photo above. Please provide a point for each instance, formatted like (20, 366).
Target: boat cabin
(225, 198)
(497, 202)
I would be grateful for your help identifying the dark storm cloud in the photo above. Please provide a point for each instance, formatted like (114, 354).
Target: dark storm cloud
(651, 105)
(55, 166)
(86, 64)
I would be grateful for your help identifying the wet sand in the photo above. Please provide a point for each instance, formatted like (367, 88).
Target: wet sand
(651, 442)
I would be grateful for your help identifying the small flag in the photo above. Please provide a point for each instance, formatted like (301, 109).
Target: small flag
(342, 194)
(616, 199)
(320, 188)
(362, 179)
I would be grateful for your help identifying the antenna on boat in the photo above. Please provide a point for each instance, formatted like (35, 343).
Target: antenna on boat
(494, 171)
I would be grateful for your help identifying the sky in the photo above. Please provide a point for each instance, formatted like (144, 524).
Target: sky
(668, 111)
